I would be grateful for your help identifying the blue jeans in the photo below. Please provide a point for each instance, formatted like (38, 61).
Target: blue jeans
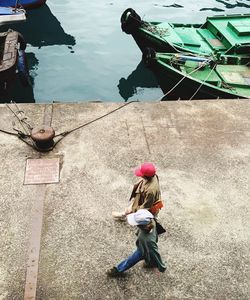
(130, 261)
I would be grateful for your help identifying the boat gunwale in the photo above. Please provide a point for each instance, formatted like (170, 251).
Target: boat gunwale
(179, 47)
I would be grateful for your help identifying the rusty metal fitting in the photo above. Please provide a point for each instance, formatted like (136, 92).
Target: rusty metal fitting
(43, 137)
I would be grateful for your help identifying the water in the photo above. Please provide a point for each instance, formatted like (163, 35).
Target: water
(77, 52)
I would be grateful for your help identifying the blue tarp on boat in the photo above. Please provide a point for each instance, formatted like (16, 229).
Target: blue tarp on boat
(5, 11)
(27, 4)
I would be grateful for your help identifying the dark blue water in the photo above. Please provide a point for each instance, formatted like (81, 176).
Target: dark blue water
(77, 52)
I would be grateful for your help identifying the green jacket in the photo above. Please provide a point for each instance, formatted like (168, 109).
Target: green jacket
(147, 244)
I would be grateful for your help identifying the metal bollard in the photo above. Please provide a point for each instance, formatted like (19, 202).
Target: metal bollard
(43, 137)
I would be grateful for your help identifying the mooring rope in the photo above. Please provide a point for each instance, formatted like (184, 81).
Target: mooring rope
(185, 76)
(202, 83)
(20, 120)
(63, 134)
(22, 136)
(9, 132)
(19, 133)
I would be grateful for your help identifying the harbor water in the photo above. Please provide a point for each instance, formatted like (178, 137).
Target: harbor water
(77, 52)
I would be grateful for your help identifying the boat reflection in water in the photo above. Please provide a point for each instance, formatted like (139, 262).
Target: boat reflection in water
(40, 30)
(20, 92)
(12, 59)
(43, 29)
(141, 77)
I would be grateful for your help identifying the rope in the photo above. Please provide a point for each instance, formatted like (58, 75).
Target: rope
(19, 133)
(16, 5)
(63, 134)
(21, 121)
(32, 145)
(160, 99)
(24, 118)
(22, 135)
(151, 27)
(8, 132)
(180, 51)
(202, 83)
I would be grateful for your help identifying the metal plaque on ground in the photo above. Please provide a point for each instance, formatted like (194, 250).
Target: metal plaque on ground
(39, 171)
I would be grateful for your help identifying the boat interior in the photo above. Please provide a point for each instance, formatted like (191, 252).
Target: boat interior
(230, 31)
(8, 49)
(231, 75)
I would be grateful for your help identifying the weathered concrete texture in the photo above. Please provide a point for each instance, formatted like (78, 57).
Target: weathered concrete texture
(201, 150)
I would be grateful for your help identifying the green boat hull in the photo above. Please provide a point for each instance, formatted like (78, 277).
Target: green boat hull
(187, 89)
(188, 82)
(229, 34)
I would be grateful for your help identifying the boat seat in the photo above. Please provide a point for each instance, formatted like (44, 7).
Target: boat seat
(233, 30)
(188, 36)
(234, 74)
(211, 39)
(241, 28)
(203, 74)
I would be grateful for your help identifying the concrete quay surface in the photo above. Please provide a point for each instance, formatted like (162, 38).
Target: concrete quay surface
(202, 153)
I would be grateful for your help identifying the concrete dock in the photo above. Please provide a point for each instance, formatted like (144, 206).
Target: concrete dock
(202, 153)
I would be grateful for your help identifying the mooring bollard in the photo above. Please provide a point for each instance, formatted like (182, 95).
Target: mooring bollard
(43, 137)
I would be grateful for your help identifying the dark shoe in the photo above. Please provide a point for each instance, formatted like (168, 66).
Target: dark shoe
(113, 272)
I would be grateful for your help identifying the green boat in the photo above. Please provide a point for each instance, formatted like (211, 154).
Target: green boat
(226, 34)
(187, 77)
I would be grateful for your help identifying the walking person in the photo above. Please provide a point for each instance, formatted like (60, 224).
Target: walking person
(147, 248)
(145, 194)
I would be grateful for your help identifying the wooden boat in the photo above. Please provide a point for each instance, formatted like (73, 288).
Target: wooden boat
(227, 34)
(12, 58)
(11, 15)
(183, 76)
(26, 4)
